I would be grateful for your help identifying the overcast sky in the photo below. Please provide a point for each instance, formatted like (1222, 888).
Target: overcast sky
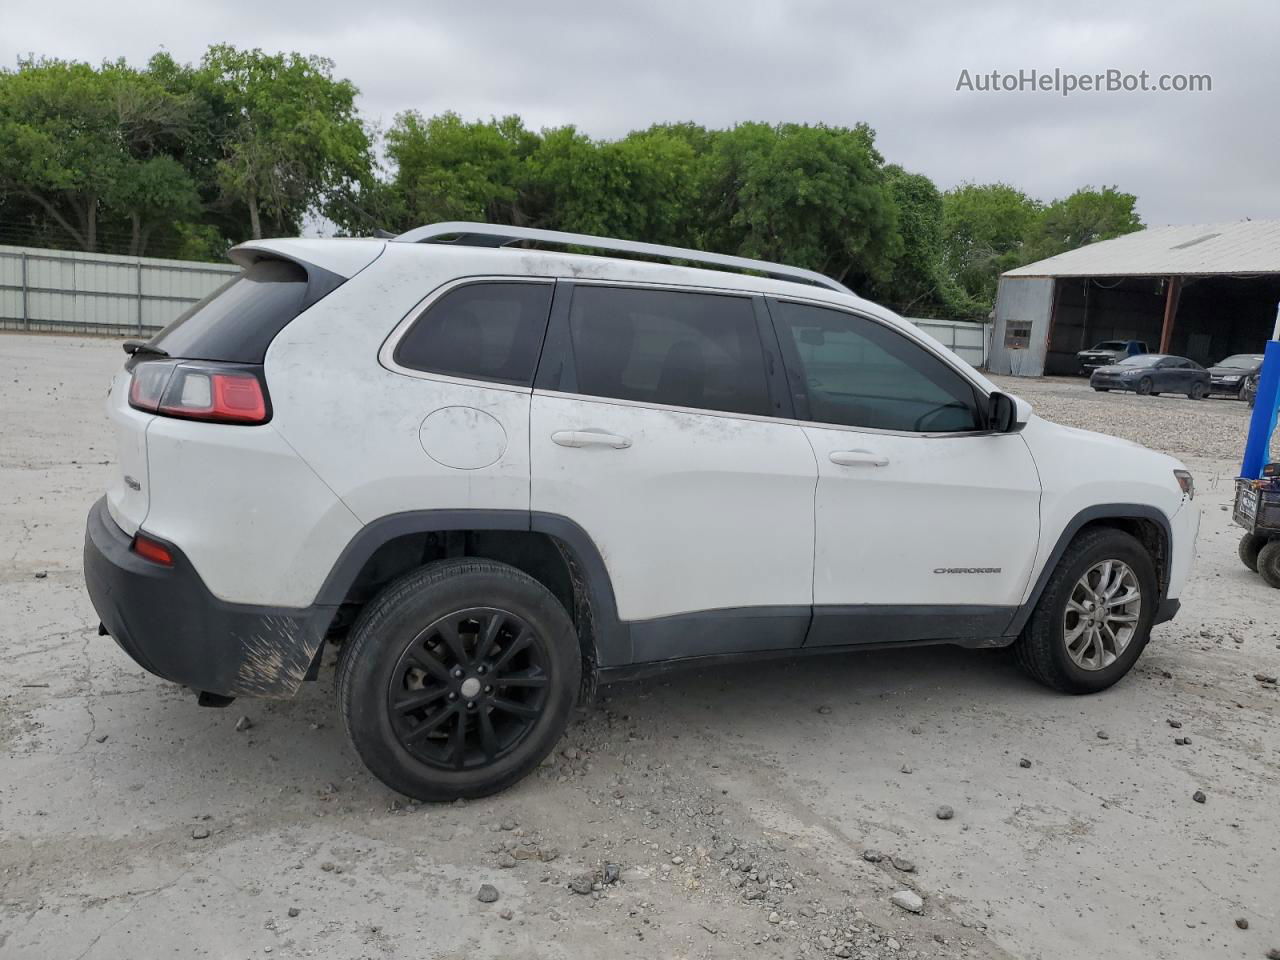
(614, 67)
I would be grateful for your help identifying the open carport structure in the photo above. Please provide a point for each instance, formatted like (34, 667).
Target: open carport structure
(1202, 291)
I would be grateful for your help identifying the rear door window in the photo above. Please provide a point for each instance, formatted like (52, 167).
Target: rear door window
(490, 331)
(669, 347)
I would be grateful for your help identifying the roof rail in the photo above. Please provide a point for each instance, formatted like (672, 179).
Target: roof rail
(496, 235)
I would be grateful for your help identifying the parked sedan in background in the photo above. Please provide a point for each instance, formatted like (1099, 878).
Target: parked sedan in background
(1228, 377)
(1108, 352)
(1153, 373)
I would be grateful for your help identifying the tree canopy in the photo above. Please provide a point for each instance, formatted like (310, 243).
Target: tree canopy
(187, 159)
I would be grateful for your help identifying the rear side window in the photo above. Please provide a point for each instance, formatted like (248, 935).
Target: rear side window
(238, 321)
(667, 347)
(481, 331)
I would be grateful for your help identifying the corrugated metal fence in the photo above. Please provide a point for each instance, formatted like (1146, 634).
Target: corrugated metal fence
(969, 341)
(71, 292)
(62, 290)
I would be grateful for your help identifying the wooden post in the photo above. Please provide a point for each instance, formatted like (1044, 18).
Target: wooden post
(1172, 292)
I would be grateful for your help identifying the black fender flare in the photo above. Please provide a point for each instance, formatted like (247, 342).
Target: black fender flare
(1100, 511)
(611, 638)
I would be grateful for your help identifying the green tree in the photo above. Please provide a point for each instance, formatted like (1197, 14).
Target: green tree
(813, 196)
(984, 229)
(289, 132)
(448, 169)
(1085, 217)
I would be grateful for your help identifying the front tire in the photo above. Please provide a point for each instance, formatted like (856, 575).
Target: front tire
(1145, 386)
(458, 679)
(1094, 617)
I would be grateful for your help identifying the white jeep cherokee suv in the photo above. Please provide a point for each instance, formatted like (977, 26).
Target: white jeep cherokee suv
(500, 475)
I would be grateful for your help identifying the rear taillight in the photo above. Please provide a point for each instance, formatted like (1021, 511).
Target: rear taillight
(194, 390)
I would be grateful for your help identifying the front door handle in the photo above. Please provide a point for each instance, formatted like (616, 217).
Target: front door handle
(858, 458)
(589, 438)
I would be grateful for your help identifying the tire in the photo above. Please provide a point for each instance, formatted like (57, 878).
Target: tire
(1250, 545)
(1198, 391)
(1144, 387)
(1103, 389)
(412, 637)
(1042, 648)
(1269, 563)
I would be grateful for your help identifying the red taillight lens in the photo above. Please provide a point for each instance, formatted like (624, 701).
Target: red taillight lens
(149, 549)
(200, 391)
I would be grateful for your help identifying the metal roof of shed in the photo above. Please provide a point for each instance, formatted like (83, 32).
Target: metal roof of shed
(1242, 247)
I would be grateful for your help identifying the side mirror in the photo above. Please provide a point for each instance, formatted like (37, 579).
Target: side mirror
(1006, 414)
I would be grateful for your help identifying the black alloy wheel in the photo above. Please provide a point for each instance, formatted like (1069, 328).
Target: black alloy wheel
(468, 688)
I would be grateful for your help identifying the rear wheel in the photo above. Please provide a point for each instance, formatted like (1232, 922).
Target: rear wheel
(1197, 391)
(1269, 563)
(1094, 617)
(458, 679)
(1145, 386)
(1250, 545)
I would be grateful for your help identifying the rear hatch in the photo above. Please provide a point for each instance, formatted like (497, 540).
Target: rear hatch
(207, 365)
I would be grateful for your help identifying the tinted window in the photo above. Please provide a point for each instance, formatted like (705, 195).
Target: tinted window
(662, 346)
(239, 320)
(1112, 345)
(860, 373)
(481, 331)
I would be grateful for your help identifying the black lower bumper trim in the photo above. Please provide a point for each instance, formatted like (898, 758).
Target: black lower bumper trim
(168, 621)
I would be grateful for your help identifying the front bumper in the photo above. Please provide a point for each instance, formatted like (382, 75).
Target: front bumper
(1224, 388)
(1109, 382)
(166, 619)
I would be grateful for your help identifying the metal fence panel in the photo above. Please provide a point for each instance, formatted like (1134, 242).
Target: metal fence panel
(65, 290)
(967, 340)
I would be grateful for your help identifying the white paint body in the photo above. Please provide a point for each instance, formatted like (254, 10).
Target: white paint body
(696, 511)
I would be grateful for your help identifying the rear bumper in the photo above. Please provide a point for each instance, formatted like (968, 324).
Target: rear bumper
(168, 621)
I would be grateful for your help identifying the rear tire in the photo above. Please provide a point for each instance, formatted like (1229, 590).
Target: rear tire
(1044, 648)
(458, 679)
(1144, 388)
(1269, 563)
(1250, 545)
(1198, 391)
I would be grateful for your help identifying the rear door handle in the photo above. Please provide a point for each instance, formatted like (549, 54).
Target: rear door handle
(589, 438)
(858, 458)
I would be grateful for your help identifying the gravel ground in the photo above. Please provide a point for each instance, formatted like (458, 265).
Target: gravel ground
(1207, 429)
(771, 810)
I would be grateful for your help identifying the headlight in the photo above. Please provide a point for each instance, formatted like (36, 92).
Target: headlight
(1230, 379)
(1186, 482)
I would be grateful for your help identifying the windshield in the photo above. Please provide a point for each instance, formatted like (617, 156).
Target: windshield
(1243, 361)
(1144, 360)
(1111, 345)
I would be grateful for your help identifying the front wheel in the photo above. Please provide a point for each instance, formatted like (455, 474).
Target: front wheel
(1095, 614)
(1145, 386)
(1198, 391)
(458, 679)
